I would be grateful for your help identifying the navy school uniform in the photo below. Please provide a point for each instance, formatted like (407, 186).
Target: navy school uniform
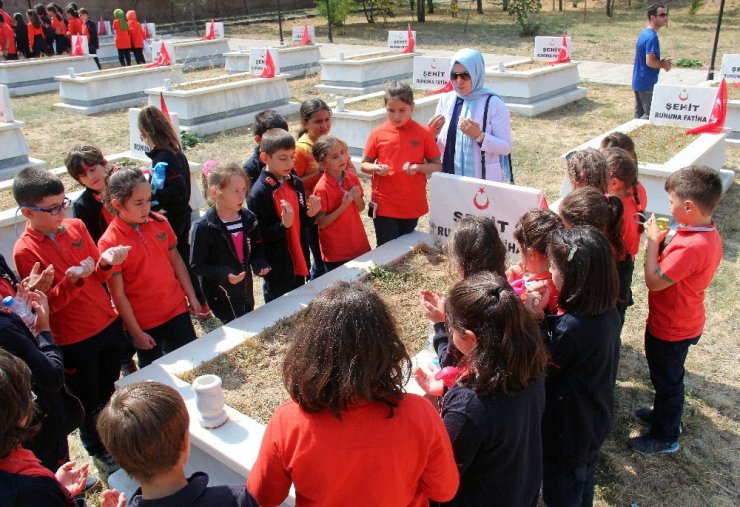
(213, 257)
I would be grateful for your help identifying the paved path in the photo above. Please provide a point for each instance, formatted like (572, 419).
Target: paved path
(594, 72)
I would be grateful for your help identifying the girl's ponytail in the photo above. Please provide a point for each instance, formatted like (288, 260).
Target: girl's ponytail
(614, 225)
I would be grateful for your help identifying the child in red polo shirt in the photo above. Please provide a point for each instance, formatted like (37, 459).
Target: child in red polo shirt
(149, 288)
(7, 40)
(622, 174)
(399, 154)
(83, 321)
(677, 274)
(341, 233)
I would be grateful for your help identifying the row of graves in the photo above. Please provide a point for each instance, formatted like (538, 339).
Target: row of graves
(224, 440)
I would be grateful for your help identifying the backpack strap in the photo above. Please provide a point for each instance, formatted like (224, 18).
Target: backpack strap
(483, 128)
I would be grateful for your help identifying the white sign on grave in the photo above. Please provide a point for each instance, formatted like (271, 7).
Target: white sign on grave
(83, 44)
(454, 197)
(218, 29)
(431, 73)
(730, 69)
(297, 36)
(157, 47)
(399, 40)
(136, 144)
(683, 106)
(257, 58)
(6, 112)
(150, 30)
(547, 48)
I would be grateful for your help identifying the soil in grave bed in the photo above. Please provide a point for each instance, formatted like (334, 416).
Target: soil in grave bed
(363, 57)
(194, 85)
(525, 66)
(115, 70)
(375, 103)
(658, 144)
(252, 372)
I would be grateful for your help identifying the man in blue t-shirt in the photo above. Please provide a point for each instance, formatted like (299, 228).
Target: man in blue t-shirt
(647, 60)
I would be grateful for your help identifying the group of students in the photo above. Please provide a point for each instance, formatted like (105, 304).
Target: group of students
(533, 349)
(129, 37)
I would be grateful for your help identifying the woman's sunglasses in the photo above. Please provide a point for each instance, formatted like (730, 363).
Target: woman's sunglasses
(460, 75)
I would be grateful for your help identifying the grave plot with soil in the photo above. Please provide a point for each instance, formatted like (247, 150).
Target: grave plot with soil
(252, 372)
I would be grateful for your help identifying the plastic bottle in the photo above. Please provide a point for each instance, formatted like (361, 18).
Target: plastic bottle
(158, 177)
(20, 309)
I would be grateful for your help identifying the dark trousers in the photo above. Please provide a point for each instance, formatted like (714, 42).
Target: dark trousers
(139, 55)
(387, 228)
(169, 336)
(642, 104)
(569, 487)
(274, 287)
(94, 51)
(625, 269)
(124, 57)
(52, 456)
(228, 305)
(181, 228)
(62, 44)
(331, 266)
(90, 369)
(666, 363)
(317, 268)
(13, 56)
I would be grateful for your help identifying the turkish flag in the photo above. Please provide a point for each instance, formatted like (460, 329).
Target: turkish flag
(306, 37)
(410, 45)
(78, 49)
(211, 32)
(269, 70)
(163, 60)
(444, 89)
(719, 113)
(101, 26)
(563, 53)
(163, 105)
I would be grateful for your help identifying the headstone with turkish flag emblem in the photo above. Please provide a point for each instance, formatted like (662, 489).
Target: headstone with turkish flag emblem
(683, 106)
(259, 62)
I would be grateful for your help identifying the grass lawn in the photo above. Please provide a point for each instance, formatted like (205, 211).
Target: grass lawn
(706, 470)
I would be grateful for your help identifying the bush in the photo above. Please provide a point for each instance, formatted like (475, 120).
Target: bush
(688, 63)
(340, 9)
(525, 11)
(694, 6)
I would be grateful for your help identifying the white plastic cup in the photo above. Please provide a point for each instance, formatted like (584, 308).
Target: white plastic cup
(167, 84)
(501, 66)
(209, 399)
(340, 104)
(71, 71)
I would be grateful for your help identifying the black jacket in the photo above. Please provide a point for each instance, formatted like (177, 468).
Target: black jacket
(198, 494)
(20, 489)
(174, 198)
(93, 30)
(253, 166)
(581, 372)
(88, 209)
(271, 228)
(213, 256)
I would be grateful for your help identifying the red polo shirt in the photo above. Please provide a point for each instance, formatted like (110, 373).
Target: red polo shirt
(304, 163)
(689, 261)
(7, 34)
(149, 278)
(345, 238)
(630, 228)
(77, 311)
(397, 194)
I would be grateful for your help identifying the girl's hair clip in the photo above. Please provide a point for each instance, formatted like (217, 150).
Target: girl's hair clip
(572, 252)
(582, 174)
(207, 166)
(606, 196)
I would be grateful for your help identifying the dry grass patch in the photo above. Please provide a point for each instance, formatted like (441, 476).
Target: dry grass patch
(214, 81)
(371, 56)
(525, 66)
(657, 144)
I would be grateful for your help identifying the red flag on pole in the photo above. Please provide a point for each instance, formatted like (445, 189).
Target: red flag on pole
(306, 37)
(163, 59)
(719, 113)
(163, 105)
(410, 45)
(269, 70)
(563, 53)
(444, 89)
(101, 26)
(78, 50)
(211, 32)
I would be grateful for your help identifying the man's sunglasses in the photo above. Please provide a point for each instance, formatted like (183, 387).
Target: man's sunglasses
(664, 15)
(54, 210)
(465, 76)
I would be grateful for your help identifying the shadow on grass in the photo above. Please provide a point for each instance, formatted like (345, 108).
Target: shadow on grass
(727, 217)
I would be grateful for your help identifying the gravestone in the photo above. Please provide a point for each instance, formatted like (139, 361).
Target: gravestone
(683, 106)
(548, 48)
(13, 147)
(454, 197)
(297, 35)
(398, 40)
(430, 73)
(257, 57)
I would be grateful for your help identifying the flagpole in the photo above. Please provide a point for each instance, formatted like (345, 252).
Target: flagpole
(280, 22)
(710, 74)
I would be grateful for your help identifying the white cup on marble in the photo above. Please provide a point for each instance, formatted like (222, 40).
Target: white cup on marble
(209, 399)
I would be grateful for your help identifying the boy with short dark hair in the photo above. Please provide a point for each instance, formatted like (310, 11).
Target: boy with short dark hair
(264, 121)
(279, 201)
(87, 165)
(677, 274)
(82, 319)
(145, 426)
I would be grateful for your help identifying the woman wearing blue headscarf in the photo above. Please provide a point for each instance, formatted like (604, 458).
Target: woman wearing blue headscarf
(458, 124)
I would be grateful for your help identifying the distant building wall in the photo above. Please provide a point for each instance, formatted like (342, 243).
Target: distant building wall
(163, 11)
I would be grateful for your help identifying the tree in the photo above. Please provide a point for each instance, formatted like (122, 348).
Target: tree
(479, 6)
(189, 6)
(525, 11)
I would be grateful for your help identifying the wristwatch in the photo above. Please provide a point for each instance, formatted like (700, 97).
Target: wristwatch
(480, 138)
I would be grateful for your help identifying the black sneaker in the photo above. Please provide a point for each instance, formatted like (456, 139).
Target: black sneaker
(646, 415)
(105, 463)
(648, 446)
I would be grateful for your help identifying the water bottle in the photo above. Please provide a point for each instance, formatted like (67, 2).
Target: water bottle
(21, 309)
